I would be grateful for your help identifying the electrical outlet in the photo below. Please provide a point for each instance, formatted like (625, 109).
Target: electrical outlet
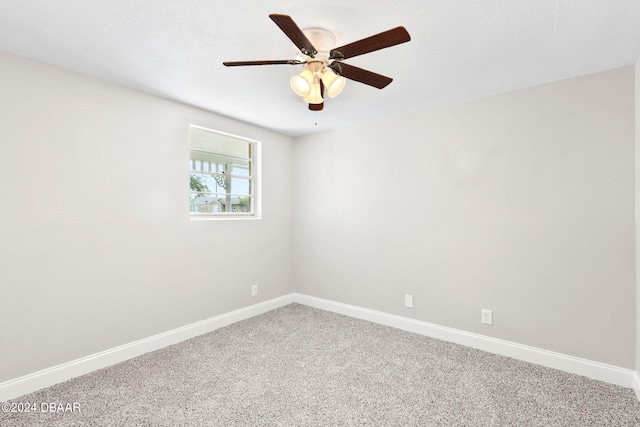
(408, 301)
(254, 290)
(487, 317)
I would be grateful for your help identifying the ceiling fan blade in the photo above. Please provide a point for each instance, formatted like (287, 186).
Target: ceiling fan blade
(360, 75)
(274, 62)
(294, 33)
(376, 42)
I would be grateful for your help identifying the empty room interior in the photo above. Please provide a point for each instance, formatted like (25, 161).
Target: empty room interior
(319, 213)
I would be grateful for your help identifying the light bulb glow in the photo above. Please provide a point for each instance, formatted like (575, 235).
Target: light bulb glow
(314, 97)
(333, 82)
(301, 84)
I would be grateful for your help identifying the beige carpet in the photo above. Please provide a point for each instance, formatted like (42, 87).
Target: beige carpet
(299, 366)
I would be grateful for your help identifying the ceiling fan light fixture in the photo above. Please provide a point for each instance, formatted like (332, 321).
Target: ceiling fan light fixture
(333, 82)
(315, 96)
(301, 84)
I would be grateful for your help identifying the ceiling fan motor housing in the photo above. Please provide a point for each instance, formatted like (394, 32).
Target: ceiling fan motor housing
(323, 40)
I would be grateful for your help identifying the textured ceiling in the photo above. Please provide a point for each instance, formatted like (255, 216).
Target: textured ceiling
(460, 50)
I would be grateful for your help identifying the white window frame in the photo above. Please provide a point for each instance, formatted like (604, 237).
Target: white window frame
(255, 178)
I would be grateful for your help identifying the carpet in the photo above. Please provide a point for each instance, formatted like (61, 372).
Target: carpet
(300, 366)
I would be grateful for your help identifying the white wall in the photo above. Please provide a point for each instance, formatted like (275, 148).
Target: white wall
(522, 203)
(637, 197)
(96, 247)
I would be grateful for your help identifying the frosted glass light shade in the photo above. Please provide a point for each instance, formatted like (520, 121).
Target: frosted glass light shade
(314, 97)
(301, 84)
(333, 82)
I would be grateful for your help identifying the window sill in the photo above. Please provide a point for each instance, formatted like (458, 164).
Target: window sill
(223, 217)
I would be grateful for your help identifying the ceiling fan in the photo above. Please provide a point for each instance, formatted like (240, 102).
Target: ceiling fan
(323, 63)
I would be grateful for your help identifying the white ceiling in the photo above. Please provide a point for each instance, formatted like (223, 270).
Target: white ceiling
(460, 49)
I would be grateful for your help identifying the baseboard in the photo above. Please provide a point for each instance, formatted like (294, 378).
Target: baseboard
(595, 370)
(57, 374)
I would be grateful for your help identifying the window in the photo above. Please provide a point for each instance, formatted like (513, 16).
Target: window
(222, 177)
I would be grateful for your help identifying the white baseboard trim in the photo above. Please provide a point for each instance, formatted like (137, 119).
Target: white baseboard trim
(575, 365)
(57, 374)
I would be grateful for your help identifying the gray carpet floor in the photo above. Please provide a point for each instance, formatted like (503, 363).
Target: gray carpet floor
(299, 366)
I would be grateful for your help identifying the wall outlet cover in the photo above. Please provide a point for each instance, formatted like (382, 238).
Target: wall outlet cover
(487, 317)
(408, 301)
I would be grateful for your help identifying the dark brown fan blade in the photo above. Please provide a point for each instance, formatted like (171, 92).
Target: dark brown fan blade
(318, 107)
(376, 42)
(360, 75)
(294, 33)
(274, 62)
